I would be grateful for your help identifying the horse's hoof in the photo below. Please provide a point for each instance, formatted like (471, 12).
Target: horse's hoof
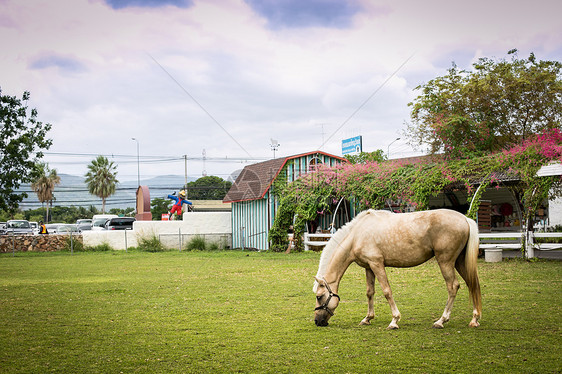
(392, 327)
(362, 323)
(437, 326)
(473, 324)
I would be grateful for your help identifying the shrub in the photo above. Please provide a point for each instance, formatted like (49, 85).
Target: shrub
(104, 247)
(214, 246)
(74, 245)
(150, 244)
(78, 246)
(197, 243)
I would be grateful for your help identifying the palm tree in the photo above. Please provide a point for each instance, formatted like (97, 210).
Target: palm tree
(44, 184)
(101, 178)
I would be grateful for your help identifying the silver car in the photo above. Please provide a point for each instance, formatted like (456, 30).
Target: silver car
(84, 224)
(67, 229)
(18, 227)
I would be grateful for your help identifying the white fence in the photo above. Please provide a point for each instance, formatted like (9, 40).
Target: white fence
(212, 226)
(505, 240)
(516, 241)
(181, 241)
(501, 240)
(324, 238)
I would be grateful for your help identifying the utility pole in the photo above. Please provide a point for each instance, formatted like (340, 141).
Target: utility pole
(204, 173)
(138, 161)
(185, 164)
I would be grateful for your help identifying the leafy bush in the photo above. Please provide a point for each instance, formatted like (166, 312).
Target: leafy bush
(74, 245)
(78, 246)
(198, 243)
(104, 247)
(150, 244)
(213, 246)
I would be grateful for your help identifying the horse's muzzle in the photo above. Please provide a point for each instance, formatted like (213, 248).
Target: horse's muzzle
(321, 322)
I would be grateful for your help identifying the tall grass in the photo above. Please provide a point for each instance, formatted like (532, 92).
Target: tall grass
(150, 244)
(233, 311)
(199, 243)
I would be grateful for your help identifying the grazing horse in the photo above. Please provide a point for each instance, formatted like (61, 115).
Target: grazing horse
(376, 239)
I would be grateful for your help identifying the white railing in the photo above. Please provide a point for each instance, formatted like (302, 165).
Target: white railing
(320, 243)
(514, 240)
(545, 246)
(503, 240)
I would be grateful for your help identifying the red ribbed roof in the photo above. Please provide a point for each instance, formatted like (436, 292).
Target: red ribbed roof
(254, 181)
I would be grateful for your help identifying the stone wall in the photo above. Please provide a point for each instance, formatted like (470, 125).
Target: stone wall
(212, 226)
(35, 243)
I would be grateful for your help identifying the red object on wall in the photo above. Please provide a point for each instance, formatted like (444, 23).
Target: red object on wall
(143, 204)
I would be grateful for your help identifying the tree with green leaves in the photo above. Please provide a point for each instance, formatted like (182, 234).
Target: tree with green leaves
(101, 178)
(364, 157)
(493, 107)
(208, 188)
(44, 184)
(158, 207)
(22, 140)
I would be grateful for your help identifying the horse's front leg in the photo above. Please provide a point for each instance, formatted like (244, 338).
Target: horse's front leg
(380, 273)
(370, 277)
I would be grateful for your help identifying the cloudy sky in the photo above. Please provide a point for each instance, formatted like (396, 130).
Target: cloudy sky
(224, 77)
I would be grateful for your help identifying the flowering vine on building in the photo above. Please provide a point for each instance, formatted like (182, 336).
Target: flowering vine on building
(374, 184)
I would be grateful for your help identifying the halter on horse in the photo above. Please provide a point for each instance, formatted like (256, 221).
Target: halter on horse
(325, 304)
(376, 239)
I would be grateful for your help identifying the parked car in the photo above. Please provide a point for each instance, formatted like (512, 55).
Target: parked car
(120, 223)
(18, 227)
(52, 228)
(35, 227)
(84, 224)
(67, 229)
(99, 220)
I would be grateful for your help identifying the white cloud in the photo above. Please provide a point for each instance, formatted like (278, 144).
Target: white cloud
(90, 72)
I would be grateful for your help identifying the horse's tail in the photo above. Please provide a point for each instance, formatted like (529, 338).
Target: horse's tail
(471, 262)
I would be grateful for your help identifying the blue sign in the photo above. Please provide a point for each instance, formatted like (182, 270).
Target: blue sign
(352, 146)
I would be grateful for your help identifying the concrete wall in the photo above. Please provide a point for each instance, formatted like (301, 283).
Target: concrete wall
(213, 226)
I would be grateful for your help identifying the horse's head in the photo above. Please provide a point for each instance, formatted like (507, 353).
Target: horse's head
(326, 302)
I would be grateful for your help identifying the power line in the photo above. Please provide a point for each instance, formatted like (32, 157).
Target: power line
(366, 101)
(196, 102)
(155, 159)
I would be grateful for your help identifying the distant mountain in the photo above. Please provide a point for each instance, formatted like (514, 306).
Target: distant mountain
(72, 190)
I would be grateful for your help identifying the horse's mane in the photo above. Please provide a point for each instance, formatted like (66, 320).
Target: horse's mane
(334, 243)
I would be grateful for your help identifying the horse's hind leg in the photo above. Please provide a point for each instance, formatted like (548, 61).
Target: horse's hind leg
(472, 289)
(370, 277)
(452, 287)
(380, 273)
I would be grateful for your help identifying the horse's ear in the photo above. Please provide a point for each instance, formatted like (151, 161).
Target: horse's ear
(320, 281)
(316, 284)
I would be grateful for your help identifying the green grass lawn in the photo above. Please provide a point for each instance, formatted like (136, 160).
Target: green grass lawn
(233, 311)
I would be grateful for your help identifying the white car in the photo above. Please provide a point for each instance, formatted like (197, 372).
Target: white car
(18, 227)
(99, 220)
(35, 227)
(84, 224)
